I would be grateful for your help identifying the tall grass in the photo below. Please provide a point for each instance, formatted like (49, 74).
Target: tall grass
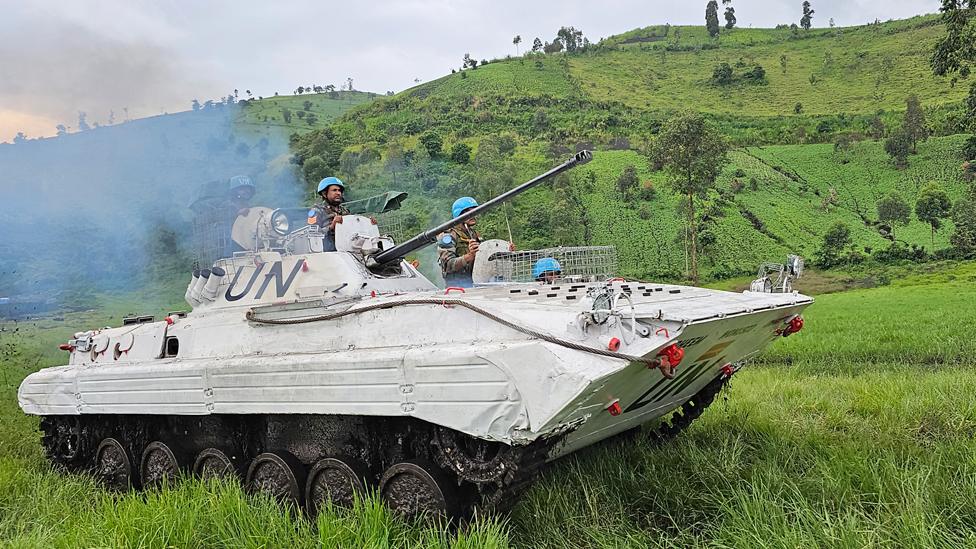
(857, 432)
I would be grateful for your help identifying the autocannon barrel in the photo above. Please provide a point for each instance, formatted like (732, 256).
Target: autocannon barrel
(430, 235)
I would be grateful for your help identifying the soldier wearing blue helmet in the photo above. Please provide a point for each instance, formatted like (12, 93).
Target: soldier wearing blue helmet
(546, 270)
(456, 248)
(329, 212)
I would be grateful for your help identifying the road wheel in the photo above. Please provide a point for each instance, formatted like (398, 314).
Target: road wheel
(214, 463)
(113, 465)
(334, 480)
(278, 474)
(159, 462)
(415, 488)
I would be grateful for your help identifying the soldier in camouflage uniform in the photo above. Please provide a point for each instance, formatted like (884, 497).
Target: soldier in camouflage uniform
(456, 248)
(329, 212)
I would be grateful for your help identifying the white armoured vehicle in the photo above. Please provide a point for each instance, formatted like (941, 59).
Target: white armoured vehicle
(316, 374)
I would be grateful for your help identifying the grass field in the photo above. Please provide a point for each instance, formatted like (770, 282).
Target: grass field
(859, 431)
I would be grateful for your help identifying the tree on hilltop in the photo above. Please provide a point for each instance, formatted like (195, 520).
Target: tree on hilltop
(537, 45)
(692, 152)
(729, 14)
(729, 17)
(571, 38)
(914, 124)
(711, 18)
(517, 40)
(932, 207)
(807, 18)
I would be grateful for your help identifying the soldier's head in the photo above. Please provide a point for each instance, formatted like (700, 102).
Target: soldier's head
(331, 189)
(462, 205)
(241, 188)
(546, 270)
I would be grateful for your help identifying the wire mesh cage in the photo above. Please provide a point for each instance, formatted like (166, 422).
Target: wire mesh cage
(212, 221)
(211, 235)
(585, 263)
(393, 224)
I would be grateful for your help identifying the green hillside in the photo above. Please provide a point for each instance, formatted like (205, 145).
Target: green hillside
(624, 87)
(773, 197)
(282, 112)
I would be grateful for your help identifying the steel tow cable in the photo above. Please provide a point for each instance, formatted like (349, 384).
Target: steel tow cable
(649, 362)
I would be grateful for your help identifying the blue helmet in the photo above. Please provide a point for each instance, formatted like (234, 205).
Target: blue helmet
(240, 181)
(545, 265)
(324, 184)
(462, 204)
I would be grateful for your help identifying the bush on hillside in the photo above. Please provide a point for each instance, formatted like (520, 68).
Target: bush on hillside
(969, 148)
(627, 181)
(834, 247)
(963, 237)
(315, 169)
(433, 142)
(461, 153)
(756, 75)
(648, 191)
(722, 74)
(898, 147)
(899, 251)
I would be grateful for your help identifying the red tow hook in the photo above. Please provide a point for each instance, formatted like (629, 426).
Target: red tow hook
(727, 370)
(669, 358)
(794, 325)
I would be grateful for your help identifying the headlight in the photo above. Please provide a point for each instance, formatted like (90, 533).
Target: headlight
(601, 307)
(795, 264)
(279, 222)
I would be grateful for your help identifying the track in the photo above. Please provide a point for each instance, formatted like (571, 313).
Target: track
(417, 466)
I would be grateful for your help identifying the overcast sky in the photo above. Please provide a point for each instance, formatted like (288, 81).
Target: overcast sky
(59, 58)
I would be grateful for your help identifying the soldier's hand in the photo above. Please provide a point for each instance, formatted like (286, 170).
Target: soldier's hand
(243, 211)
(373, 221)
(472, 250)
(511, 246)
(335, 220)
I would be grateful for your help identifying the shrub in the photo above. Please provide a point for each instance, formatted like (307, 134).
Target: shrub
(722, 74)
(461, 153)
(969, 148)
(898, 147)
(835, 241)
(757, 74)
(432, 141)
